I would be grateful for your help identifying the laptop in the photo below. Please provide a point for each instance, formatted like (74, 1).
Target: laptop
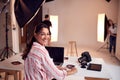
(57, 53)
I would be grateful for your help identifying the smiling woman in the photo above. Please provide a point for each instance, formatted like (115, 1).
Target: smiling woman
(37, 59)
(37, 63)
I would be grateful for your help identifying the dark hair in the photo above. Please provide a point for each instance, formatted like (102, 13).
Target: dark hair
(37, 29)
(109, 23)
(46, 16)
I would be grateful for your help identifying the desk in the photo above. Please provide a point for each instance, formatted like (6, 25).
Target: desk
(10, 69)
(80, 75)
(83, 72)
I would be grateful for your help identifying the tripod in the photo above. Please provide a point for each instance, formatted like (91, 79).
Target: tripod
(106, 44)
(6, 51)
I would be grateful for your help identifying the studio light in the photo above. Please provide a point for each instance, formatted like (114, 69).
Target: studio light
(102, 27)
(54, 28)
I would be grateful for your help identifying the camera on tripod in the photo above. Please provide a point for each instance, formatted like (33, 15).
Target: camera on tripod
(84, 59)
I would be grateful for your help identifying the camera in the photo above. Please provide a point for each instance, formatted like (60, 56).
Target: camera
(84, 59)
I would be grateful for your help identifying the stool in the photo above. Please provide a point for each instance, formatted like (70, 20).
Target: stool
(2, 74)
(15, 73)
(73, 48)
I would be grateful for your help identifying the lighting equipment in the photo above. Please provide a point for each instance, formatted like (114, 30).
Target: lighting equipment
(26, 11)
(102, 29)
(84, 59)
(49, 0)
(5, 53)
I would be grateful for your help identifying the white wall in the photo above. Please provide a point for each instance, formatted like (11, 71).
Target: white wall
(15, 29)
(78, 18)
(118, 36)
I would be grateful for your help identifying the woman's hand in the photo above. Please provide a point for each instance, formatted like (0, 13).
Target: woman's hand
(61, 68)
(71, 71)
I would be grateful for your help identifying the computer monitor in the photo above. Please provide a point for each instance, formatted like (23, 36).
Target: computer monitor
(57, 53)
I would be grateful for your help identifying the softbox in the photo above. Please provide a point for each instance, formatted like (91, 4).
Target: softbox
(25, 10)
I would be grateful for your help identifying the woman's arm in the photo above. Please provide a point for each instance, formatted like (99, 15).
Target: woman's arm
(70, 71)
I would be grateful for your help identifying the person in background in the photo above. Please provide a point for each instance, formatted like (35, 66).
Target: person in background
(37, 63)
(47, 21)
(112, 36)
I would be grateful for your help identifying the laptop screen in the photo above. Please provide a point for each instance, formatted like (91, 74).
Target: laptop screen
(57, 53)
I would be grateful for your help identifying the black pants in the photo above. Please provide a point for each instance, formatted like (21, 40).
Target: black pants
(112, 44)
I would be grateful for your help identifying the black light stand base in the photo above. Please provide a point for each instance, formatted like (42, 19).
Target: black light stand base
(6, 53)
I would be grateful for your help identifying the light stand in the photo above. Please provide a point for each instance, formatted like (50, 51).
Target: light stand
(6, 51)
(105, 45)
(102, 30)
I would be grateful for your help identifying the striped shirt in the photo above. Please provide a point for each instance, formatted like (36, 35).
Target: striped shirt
(39, 66)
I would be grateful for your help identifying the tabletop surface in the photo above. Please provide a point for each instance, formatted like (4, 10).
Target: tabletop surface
(82, 72)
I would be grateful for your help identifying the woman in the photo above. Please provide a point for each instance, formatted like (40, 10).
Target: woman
(112, 38)
(37, 63)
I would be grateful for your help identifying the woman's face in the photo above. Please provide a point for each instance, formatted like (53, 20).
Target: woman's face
(110, 22)
(43, 37)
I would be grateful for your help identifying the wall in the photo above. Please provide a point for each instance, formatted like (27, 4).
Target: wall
(78, 19)
(118, 36)
(15, 29)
